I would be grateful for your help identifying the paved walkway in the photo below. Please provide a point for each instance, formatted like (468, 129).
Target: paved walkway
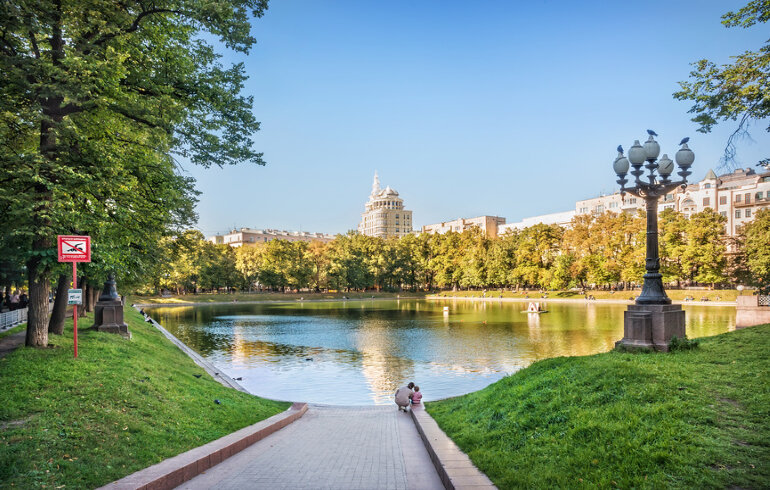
(9, 343)
(334, 448)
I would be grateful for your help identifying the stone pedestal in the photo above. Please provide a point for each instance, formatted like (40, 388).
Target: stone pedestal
(108, 311)
(652, 326)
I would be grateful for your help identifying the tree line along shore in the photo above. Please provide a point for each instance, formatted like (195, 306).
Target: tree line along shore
(594, 252)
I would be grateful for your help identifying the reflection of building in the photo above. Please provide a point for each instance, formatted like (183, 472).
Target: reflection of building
(248, 236)
(385, 215)
(487, 224)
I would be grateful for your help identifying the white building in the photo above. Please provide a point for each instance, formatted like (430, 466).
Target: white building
(249, 236)
(563, 218)
(489, 225)
(385, 215)
(736, 195)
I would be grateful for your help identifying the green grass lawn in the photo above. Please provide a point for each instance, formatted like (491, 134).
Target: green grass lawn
(225, 298)
(120, 407)
(11, 331)
(674, 294)
(688, 419)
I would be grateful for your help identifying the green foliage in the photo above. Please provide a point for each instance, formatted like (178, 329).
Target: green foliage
(607, 250)
(755, 253)
(684, 343)
(97, 101)
(120, 407)
(687, 419)
(736, 91)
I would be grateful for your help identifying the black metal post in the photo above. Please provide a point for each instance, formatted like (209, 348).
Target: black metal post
(653, 292)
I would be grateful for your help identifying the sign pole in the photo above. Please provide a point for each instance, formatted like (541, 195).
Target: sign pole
(74, 249)
(75, 307)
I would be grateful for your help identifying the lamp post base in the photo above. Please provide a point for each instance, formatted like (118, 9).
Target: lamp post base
(651, 326)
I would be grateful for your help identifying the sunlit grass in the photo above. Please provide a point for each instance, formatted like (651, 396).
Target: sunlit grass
(121, 406)
(692, 419)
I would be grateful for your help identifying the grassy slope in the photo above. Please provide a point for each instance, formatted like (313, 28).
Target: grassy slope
(120, 407)
(693, 419)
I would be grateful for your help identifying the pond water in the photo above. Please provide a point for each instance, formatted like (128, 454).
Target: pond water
(359, 352)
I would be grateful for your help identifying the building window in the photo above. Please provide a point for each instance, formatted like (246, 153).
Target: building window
(737, 198)
(737, 213)
(748, 213)
(759, 195)
(723, 213)
(722, 199)
(747, 197)
(632, 200)
(669, 197)
(706, 201)
(707, 186)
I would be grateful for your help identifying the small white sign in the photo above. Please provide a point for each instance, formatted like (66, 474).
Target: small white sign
(74, 296)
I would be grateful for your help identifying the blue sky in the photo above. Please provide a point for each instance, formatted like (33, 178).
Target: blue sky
(466, 108)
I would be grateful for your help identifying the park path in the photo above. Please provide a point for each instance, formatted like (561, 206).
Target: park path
(334, 448)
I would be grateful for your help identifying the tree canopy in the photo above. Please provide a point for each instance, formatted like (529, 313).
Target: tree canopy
(739, 91)
(97, 101)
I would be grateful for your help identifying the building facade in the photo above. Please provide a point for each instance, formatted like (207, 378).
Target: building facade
(489, 225)
(737, 196)
(562, 219)
(249, 236)
(385, 215)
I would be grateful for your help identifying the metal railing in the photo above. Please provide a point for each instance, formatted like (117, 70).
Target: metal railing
(10, 319)
(763, 300)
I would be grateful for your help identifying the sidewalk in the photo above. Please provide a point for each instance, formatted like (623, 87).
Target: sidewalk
(331, 447)
(11, 342)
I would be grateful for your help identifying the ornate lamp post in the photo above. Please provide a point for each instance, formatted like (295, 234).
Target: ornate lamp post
(653, 320)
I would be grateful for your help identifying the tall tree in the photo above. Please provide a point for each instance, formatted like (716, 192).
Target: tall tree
(703, 255)
(756, 237)
(90, 85)
(733, 92)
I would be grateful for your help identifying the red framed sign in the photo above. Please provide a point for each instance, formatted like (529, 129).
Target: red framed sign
(74, 248)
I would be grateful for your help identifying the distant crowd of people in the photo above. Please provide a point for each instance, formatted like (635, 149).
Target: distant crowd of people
(15, 301)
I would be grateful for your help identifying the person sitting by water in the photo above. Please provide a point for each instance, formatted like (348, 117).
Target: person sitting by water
(404, 396)
(416, 396)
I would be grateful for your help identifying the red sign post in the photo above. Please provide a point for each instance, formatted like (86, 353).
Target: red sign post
(74, 249)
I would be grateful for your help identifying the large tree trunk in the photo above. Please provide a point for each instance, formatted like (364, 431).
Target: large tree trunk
(39, 287)
(89, 297)
(59, 313)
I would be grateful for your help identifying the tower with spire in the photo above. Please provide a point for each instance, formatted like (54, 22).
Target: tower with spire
(384, 214)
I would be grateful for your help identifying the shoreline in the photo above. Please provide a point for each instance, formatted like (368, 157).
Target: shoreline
(432, 298)
(578, 300)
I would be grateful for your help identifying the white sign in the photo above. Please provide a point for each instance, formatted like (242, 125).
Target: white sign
(74, 296)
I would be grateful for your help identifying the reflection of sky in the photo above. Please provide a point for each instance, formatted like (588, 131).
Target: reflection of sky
(356, 353)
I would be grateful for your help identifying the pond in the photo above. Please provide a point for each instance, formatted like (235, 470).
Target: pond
(359, 352)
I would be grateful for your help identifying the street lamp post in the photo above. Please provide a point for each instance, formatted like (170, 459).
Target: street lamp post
(652, 321)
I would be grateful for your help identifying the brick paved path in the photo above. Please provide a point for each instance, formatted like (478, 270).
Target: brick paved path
(334, 448)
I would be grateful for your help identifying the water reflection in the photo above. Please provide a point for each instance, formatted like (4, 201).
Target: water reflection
(359, 352)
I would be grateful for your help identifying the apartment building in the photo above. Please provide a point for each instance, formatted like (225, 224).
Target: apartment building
(385, 215)
(249, 236)
(489, 225)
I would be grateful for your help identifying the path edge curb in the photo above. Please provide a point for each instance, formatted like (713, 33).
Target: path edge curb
(454, 467)
(213, 371)
(174, 471)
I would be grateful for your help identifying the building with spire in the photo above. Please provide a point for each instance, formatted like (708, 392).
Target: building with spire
(385, 215)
